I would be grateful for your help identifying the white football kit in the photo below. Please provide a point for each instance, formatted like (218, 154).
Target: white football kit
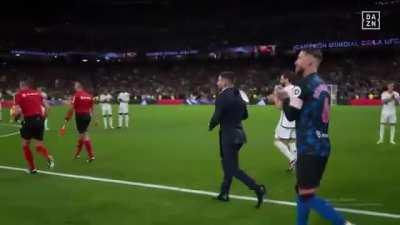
(388, 113)
(123, 98)
(105, 102)
(123, 110)
(286, 129)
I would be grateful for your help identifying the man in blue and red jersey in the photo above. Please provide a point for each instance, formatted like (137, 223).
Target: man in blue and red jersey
(29, 104)
(82, 104)
(311, 110)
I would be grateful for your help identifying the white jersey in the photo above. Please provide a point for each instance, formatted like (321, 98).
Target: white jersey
(390, 106)
(285, 129)
(123, 98)
(105, 99)
(105, 102)
(293, 91)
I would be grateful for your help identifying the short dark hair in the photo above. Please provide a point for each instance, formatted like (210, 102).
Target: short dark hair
(229, 75)
(288, 74)
(316, 53)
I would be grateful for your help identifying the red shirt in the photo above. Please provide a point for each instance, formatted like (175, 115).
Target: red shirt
(30, 101)
(83, 102)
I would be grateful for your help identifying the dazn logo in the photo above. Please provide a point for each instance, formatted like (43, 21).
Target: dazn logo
(370, 20)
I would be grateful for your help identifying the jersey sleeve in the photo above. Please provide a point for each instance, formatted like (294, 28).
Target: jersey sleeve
(17, 99)
(216, 117)
(74, 101)
(288, 105)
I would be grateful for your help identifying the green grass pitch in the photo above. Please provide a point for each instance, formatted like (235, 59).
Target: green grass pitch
(171, 146)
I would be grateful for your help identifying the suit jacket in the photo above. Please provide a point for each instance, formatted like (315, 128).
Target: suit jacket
(230, 110)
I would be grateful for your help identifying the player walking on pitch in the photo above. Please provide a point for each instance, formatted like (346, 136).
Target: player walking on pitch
(29, 103)
(106, 109)
(390, 99)
(285, 131)
(82, 104)
(311, 112)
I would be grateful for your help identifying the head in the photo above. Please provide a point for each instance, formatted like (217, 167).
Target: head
(286, 78)
(390, 87)
(226, 79)
(26, 83)
(308, 61)
(78, 86)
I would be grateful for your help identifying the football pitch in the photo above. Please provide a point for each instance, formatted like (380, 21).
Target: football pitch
(162, 169)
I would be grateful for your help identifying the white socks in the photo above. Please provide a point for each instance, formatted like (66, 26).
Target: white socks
(105, 122)
(123, 118)
(110, 122)
(285, 150)
(120, 118)
(381, 132)
(293, 148)
(126, 120)
(392, 132)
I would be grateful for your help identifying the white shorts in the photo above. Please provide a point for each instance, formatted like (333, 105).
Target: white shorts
(123, 108)
(106, 110)
(284, 132)
(389, 118)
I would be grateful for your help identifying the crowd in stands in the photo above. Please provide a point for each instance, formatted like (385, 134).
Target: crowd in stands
(355, 77)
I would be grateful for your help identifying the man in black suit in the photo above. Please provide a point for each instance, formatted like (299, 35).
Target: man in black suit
(230, 110)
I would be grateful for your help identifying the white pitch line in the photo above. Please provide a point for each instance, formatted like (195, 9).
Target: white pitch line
(198, 192)
(9, 125)
(359, 204)
(9, 135)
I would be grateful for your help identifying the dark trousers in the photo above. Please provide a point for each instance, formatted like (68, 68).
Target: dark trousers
(230, 165)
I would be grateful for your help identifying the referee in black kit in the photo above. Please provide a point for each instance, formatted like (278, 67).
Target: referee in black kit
(230, 110)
